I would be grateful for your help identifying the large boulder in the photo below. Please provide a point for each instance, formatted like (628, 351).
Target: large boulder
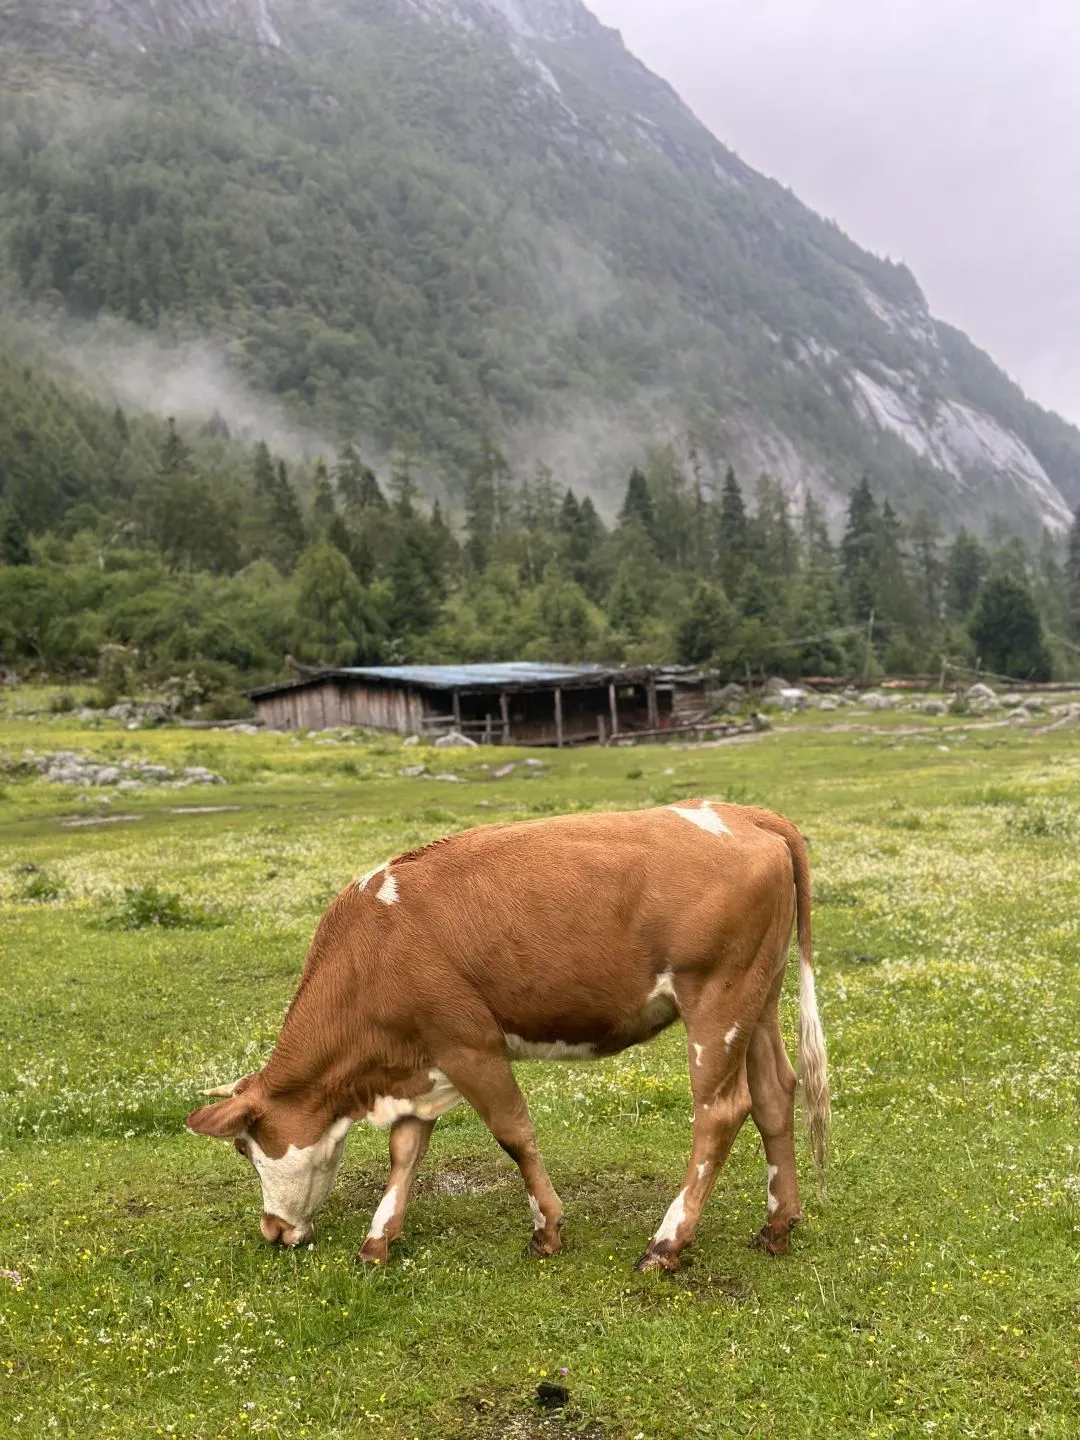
(875, 700)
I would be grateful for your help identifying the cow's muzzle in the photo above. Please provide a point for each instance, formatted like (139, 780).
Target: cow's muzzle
(280, 1232)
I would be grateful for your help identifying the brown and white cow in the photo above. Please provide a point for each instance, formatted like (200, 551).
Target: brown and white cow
(564, 938)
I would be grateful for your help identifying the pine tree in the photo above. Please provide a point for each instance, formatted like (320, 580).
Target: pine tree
(1072, 578)
(14, 541)
(323, 508)
(965, 570)
(638, 505)
(859, 550)
(1007, 630)
(708, 627)
(733, 539)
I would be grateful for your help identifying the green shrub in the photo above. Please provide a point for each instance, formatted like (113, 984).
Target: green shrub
(147, 906)
(41, 887)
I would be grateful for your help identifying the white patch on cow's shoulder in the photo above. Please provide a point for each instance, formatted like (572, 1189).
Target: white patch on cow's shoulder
(388, 891)
(703, 816)
(519, 1049)
(669, 1226)
(388, 1109)
(384, 1214)
(539, 1218)
(699, 1050)
(772, 1203)
(731, 1036)
(296, 1183)
(365, 880)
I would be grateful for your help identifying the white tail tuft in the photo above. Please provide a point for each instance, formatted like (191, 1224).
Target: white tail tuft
(813, 1066)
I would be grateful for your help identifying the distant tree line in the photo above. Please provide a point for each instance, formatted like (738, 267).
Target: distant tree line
(194, 553)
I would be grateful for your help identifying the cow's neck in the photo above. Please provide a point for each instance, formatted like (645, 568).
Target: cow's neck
(317, 1055)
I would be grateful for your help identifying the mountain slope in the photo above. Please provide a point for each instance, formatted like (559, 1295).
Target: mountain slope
(431, 222)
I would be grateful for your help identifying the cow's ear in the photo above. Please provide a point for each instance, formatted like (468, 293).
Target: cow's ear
(234, 1087)
(224, 1121)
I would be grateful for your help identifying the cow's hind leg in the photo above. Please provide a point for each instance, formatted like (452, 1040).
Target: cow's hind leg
(772, 1095)
(488, 1083)
(409, 1140)
(721, 1105)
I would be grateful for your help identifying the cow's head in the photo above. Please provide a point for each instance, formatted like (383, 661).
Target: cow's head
(295, 1153)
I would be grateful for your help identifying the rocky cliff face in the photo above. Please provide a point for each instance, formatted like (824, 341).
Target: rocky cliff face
(179, 22)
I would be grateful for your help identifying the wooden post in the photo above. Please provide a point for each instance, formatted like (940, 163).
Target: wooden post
(654, 709)
(487, 727)
(504, 708)
(600, 730)
(457, 710)
(558, 717)
(613, 706)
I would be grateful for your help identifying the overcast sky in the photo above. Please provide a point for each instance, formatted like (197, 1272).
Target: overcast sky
(945, 133)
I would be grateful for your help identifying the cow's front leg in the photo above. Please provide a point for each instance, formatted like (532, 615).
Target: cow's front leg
(409, 1140)
(488, 1083)
(721, 1105)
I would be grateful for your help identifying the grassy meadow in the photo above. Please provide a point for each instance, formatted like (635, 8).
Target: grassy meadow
(934, 1291)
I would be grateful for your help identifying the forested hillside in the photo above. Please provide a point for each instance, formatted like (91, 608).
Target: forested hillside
(135, 553)
(439, 226)
(668, 412)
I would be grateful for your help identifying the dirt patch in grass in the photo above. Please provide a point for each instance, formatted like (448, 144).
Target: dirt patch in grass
(492, 1418)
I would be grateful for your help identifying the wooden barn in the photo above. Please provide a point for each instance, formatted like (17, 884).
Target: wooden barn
(500, 704)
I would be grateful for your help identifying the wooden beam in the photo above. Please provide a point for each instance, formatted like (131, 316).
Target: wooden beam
(457, 709)
(504, 707)
(613, 706)
(558, 717)
(600, 729)
(487, 727)
(654, 709)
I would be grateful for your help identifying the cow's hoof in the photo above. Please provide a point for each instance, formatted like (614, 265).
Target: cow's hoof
(775, 1239)
(374, 1252)
(542, 1248)
(666, 1261)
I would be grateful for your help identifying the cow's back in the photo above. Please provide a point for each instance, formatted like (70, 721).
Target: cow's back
(564, 927)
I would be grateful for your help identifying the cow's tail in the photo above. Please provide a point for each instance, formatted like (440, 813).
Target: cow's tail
(813, 1057)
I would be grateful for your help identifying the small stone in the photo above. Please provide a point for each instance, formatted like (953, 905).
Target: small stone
(413, 772)
(452, 779)
(411, 740)
(454, 739)
(504, 770)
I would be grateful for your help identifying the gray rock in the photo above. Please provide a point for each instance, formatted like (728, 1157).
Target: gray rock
(413, 772)
(504, 770)
(455, 740)
(451, 779)
(875, 700)
(979, 691)
(829, 704)
(411, 740)
(1033, 702)
(533, 764)
(934, 707)
(761, 722)
(729, 697)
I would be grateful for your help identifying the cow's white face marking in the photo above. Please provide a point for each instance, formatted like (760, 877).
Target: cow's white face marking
(772, 1203)
(384, 1214)
(731, 1036)
(519, 1049)
(297, 1183)
(539, 1218)
(699, 1050)
(429, 1106)
(388, 890)
(704, 817)
(669, 1226)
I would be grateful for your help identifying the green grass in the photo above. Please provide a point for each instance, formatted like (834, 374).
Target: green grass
(934, 1292)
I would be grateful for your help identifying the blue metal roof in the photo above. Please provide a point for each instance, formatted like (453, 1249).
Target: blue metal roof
(461, 677)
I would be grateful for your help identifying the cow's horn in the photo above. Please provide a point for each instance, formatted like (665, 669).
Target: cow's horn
(225, 1091)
